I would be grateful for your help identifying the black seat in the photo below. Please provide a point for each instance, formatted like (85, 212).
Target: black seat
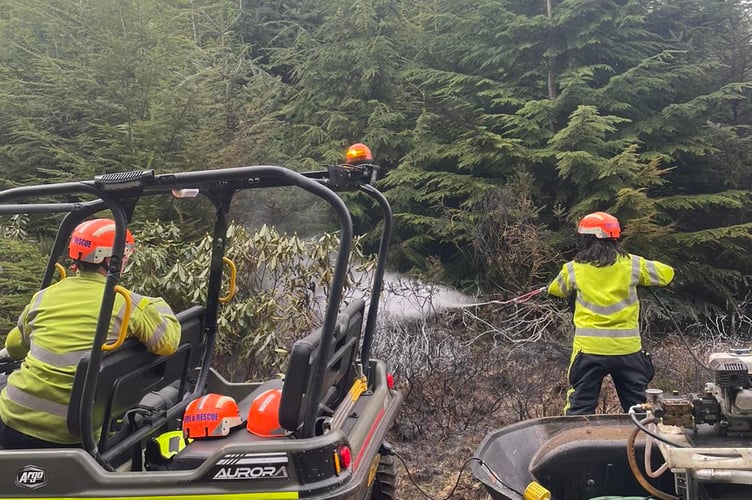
(346, 347)
(338, 374)
(297, 386)
(130, 373)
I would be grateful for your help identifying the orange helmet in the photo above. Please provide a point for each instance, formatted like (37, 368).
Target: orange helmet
(263, 416)
(213, 415)
(92, 241)
(600, 224)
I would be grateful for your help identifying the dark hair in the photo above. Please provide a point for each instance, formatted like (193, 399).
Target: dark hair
(598, 252)
(89, 266)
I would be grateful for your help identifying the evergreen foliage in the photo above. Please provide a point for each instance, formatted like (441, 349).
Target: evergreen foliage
(280, 294)
(530, 112)
(20, 265)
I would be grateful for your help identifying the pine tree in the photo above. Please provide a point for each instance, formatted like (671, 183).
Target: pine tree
(700, 128)
(84, 83)
(344, 81)
(636, 107)
(461, 152)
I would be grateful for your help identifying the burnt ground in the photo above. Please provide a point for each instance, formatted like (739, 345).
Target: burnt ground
(441, 425)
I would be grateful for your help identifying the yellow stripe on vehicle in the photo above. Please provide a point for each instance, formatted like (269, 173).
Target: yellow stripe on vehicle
(356, 390)
(208, 496)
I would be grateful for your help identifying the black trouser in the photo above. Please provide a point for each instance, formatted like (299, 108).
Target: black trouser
(11, 439)
(631, 374)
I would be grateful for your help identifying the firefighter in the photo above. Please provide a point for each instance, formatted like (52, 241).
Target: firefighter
(56, 329)
(602, 279)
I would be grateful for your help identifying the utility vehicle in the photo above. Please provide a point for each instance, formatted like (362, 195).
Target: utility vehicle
(337, 403)
(689, 447)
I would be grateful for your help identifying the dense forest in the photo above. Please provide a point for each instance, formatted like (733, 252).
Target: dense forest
(496, 123)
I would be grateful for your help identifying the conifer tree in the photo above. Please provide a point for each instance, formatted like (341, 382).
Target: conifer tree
(344, 74)
(84, 86)
(614, 106)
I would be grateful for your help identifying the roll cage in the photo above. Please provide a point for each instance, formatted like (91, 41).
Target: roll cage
(120, 193)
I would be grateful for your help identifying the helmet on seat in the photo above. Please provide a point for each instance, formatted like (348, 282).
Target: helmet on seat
(263, 416)
(92, 241)
(600, 224)
(212, 415)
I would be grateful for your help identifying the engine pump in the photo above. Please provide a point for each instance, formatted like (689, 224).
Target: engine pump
(726, 401)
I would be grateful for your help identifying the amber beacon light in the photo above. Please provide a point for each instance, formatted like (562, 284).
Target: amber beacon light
(357, 154)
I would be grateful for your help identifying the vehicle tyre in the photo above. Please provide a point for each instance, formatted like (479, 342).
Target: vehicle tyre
(385, 483)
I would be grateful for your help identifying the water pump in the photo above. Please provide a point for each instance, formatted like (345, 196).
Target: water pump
(725, 402)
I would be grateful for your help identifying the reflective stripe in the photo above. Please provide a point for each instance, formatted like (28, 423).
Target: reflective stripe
(201, 403)
(222, 400)
(603, 332)
(58, 360)
(635, 270)
(136, 299)
(655, 279)
(613, 308)
(30, 316)
(562, 284)
(118, 318)
(153, 341)
(572, 279)
(116, 324)
(622, 304)
(107, 228)
(165, 310)
(22, 398)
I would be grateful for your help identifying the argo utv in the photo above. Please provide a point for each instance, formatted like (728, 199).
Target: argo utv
(336, 404)
(694, 447)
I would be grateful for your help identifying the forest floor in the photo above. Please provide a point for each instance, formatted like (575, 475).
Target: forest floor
(434, 453)
(439, 470)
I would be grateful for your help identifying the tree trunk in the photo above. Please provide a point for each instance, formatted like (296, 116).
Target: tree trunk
(551, 83)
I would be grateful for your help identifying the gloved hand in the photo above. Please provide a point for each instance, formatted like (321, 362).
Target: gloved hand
(4, 356)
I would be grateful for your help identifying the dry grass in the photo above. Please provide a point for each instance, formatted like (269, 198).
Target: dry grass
(466, 370)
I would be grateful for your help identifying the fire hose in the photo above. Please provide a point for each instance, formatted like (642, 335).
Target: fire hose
(514, 300)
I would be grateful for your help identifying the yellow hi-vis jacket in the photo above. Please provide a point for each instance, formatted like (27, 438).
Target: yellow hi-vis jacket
(607, 309)
(54, 331)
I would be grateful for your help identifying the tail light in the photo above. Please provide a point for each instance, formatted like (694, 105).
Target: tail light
(390, 381)
(342, 459)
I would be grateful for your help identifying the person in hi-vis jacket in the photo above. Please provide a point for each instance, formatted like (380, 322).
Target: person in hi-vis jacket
(603, 280)
(56, 330)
